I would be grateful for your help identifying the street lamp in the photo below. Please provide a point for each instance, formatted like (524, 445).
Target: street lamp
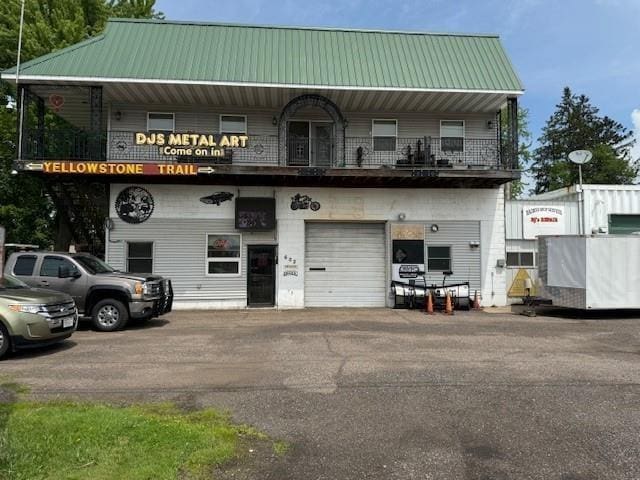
(580, 157)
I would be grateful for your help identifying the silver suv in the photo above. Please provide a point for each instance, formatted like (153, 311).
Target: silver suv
(106, 296)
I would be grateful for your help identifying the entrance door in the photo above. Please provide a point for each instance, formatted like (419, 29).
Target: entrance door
(322, 134)
(261, 278)
(298, 144)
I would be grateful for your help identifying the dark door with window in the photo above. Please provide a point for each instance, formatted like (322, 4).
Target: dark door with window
(322, 144)
(261, 278)
(298, 144)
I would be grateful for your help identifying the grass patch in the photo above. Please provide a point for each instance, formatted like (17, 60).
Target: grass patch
(281, 448)
(13, 387)
(63, 440)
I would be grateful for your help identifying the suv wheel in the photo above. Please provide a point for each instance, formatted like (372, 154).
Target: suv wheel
(5, 342)
(109, 315)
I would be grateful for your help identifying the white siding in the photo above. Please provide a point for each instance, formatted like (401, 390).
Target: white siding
(465, 259)
(260, 122)
(180, 254)
(601, 201)
(178, 228)
(180, 221)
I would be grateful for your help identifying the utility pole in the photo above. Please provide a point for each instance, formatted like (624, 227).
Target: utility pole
(19, 92)
(580, 157)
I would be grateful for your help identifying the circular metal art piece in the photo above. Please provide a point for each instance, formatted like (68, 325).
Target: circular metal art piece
(134, 205)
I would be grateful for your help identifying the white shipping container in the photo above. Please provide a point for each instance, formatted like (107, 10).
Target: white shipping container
(590, 271)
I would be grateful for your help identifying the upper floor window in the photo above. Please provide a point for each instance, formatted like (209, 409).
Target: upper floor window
(452, 135)
(233, 124)
(384, 133)
(160, 122)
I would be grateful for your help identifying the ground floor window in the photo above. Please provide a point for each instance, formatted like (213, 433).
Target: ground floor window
(408, 251)
(520, 259)
(223, 254)
(140, 257)
(439, 258)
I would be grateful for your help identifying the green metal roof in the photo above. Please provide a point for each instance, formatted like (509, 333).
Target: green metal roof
(139, 50)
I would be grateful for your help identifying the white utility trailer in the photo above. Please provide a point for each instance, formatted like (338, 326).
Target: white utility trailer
(590, 271)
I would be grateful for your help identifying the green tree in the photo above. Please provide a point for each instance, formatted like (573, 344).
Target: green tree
(49, 25)
(515, 188)
(133, 9)
(576, 125)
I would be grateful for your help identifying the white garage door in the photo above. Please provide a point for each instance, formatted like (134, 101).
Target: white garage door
(344, 265)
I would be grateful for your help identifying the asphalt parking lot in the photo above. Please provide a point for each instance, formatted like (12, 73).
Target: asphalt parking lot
(382, 394)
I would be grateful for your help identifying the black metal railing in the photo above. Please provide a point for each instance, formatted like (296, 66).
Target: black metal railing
(264, 150)
(422, 152)
(63, 145)
(318, 152)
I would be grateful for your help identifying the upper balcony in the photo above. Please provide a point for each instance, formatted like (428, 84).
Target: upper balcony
(308, 141)
(362, 153)
(310, 96)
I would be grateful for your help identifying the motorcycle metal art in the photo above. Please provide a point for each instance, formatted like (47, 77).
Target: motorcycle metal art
(304, 202)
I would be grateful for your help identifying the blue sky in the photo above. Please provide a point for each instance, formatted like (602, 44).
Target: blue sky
(592, 46)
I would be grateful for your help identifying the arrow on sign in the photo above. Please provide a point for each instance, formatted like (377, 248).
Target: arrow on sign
(206, 169)
(34, 166)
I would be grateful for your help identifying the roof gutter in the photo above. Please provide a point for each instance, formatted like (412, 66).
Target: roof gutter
(94, 80)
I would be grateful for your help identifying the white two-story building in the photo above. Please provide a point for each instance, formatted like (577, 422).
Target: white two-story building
(279, 166)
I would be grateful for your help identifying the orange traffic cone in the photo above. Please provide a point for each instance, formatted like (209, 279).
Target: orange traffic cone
(476, 301)
(429, 303)
(448, 307)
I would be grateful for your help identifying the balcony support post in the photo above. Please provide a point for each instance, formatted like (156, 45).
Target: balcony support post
(40, 111)
(22, 103)
(512, 133)
(95, 128)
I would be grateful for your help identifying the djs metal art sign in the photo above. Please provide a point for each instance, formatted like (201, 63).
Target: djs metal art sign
(191, 144)
(540, 220)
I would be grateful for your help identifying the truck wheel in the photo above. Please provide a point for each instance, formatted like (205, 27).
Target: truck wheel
(5, 342)
(109, 315)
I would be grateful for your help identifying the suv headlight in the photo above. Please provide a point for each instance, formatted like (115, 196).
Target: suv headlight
(26, 308)
(141, 288)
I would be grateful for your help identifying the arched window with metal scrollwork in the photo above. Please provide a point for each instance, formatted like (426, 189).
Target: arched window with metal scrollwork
(332, 110)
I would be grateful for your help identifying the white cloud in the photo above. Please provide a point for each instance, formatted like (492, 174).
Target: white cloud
(635, 119)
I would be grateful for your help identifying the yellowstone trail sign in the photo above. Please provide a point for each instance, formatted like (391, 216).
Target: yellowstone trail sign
(119, 168)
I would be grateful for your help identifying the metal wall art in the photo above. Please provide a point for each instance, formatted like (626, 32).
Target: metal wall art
(134, 205)
(304, 202)
(217, 198)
